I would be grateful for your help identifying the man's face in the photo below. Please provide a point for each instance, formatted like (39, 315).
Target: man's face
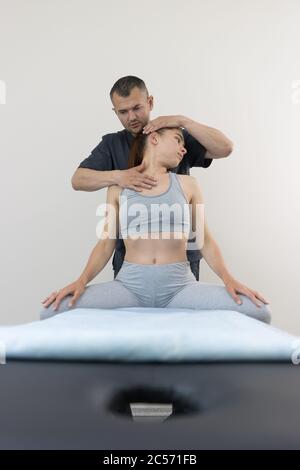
(133, 110)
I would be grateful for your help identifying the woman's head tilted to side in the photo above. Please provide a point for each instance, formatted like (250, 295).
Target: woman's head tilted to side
(163, 148)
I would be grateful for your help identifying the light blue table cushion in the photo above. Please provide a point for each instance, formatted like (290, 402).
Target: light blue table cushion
(148, 334)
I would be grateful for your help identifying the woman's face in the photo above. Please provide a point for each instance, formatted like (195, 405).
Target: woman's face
(170, 147)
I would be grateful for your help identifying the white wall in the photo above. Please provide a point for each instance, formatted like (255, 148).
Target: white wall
(230, 64)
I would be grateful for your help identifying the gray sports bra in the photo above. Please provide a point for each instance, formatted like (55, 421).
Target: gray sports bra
(165, 212)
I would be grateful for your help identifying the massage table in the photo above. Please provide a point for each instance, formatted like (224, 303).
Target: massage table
(149, 378)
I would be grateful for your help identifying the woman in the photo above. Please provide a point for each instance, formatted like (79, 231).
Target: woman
(155, 271)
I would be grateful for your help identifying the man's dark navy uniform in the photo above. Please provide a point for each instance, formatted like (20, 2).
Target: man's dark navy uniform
(112, 153)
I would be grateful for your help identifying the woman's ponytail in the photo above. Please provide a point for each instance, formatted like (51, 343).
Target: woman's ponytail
(138, 146)
(137, 149)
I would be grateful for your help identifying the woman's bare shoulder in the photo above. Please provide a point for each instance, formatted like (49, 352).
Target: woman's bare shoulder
(191, 186)
(188, 178)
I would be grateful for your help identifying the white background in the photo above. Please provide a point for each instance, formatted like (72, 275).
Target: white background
(230, 64)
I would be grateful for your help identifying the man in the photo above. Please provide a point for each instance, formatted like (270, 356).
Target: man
(108, 162)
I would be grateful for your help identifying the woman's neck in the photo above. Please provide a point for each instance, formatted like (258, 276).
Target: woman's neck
(152, 167)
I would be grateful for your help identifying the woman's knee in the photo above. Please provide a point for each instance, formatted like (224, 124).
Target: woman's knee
(63, 306)
(46, 313)
(266, 313)
(262, 313)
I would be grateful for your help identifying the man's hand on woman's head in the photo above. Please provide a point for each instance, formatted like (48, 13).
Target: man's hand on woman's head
(163, 121)
(76, 289)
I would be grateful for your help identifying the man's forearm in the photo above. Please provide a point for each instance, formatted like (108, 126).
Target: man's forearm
(216, 143)
(85, 179)
(213, 256)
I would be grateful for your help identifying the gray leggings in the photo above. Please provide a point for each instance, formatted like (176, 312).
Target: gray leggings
(169, 285)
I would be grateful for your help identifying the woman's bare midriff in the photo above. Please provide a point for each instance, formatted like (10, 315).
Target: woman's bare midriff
(156, 251)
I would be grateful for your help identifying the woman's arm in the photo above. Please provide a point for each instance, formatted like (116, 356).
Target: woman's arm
(212, 253)
(213, 256)
(99, 257)
(204, 240)
(105, 247)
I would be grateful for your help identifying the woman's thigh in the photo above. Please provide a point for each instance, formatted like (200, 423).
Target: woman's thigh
(110, 294)
(207, 296)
